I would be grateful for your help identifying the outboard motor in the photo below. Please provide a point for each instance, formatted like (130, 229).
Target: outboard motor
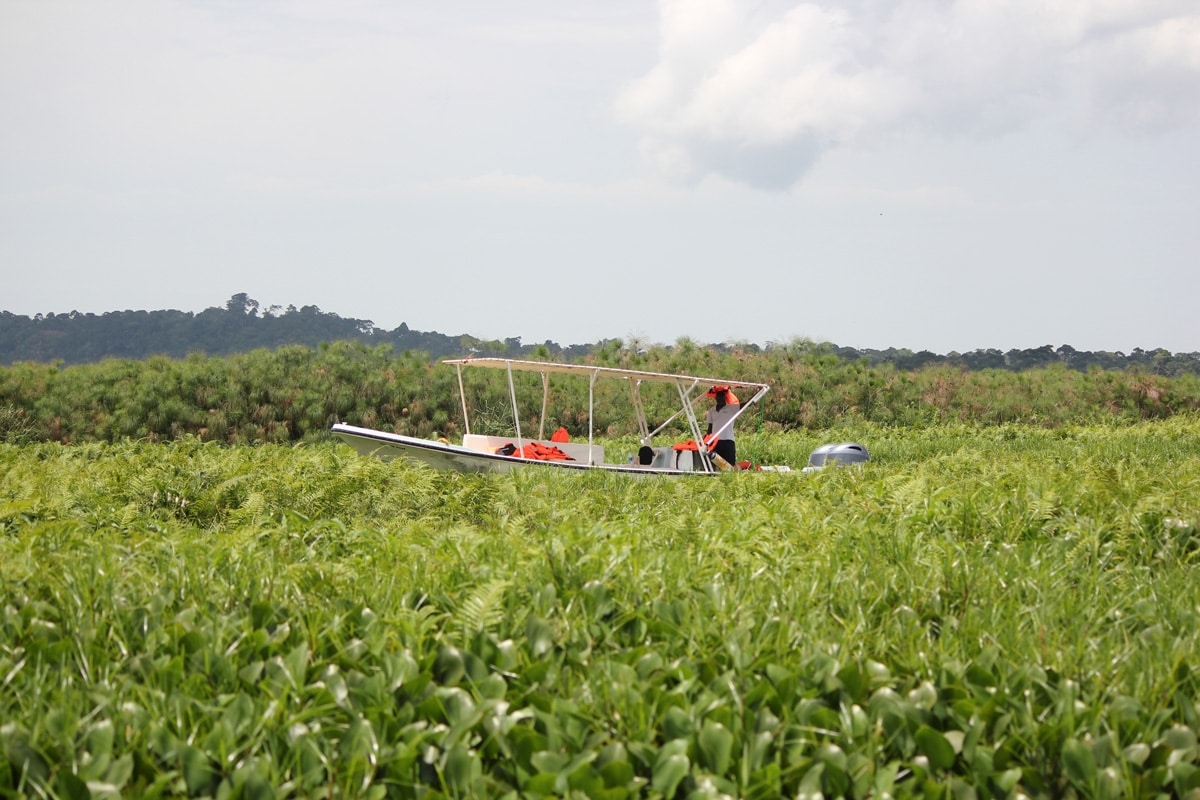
(844, 453)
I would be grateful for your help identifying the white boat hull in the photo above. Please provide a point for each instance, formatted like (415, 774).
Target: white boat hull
(445, 456)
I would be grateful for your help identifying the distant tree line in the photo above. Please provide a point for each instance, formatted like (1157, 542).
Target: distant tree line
(1157, 361)
(240, 326)
(243, 325)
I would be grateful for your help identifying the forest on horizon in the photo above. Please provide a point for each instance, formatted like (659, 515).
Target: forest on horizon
(243, 325)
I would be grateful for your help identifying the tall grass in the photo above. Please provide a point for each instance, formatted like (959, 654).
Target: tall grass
(295, 393)
(982, 611)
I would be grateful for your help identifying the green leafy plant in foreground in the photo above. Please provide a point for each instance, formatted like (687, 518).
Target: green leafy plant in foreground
(977, 612)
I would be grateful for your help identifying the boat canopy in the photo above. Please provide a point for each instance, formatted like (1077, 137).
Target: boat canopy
(691, 388)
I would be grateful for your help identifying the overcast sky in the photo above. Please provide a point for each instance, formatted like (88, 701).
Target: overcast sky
(931, 174)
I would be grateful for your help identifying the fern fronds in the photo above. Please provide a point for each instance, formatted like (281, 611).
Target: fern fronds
(483, 609)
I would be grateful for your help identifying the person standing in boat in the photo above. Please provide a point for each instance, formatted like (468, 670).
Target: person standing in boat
(719, 419)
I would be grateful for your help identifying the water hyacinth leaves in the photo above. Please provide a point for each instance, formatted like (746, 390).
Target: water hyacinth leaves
(671, 765)
(715, 745)
(964, 616)
(935, 747)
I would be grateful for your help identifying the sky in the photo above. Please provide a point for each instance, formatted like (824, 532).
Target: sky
(944, 175)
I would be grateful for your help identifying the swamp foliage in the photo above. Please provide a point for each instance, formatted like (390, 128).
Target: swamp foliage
(295, 393)
(981, 611)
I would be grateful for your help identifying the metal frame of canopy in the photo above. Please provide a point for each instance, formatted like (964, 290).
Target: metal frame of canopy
(687, 386)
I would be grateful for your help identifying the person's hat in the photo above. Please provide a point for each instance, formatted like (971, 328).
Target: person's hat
(730, 397)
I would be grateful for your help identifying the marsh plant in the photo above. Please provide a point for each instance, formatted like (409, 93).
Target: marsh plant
(978, 612)
(294, 394)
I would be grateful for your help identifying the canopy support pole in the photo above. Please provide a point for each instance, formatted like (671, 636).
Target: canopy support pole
(639, 410)
(591, 415)
(462, 393)
(545, 399)
(512, 395)
(693, 423)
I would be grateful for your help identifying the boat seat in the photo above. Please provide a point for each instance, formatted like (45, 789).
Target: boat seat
(670, 458)
(664, 458)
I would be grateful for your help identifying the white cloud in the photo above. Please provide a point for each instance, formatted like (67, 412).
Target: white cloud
(758, 93)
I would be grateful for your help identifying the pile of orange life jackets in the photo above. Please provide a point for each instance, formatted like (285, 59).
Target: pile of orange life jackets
(534, 452)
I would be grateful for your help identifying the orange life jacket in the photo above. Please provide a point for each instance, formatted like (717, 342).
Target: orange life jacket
(540, 452)
(534, 452)
(710, 442)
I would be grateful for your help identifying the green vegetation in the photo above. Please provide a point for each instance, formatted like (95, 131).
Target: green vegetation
(295, 393)
(981, 611)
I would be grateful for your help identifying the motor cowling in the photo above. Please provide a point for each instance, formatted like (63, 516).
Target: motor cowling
(841, 453)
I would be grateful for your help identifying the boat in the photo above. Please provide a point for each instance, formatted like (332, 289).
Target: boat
(521, 450)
